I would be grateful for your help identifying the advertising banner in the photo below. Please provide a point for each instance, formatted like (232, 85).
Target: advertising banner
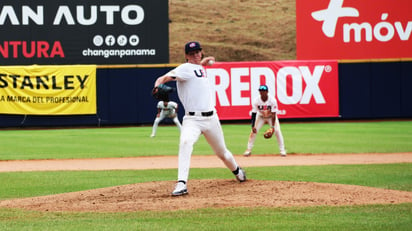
(303, 89)
(353, 29)
(48, 90)
(50, 32)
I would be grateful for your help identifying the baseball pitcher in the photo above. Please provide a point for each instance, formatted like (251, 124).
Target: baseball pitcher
(194, 91)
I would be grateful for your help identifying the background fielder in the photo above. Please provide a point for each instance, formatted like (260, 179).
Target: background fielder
(165, 109)
(264, 110)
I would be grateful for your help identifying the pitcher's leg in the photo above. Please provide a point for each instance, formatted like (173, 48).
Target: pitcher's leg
(188, 136)
(214, 136)
(212, 130)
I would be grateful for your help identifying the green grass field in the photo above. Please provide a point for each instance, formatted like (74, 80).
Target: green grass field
(353, 137)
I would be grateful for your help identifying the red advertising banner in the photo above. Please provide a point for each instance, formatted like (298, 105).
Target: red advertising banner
(353, 29)
(303, 89)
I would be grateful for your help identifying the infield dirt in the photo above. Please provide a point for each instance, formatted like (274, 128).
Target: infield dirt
(155, 196)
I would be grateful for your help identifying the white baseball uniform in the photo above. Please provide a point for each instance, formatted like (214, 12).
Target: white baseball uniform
(195, 94)
(264, 110)
(167, 110)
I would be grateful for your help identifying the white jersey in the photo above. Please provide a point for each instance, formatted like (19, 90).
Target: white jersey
(193, 87)
(265, 109)
(168, 110)
(195, 94)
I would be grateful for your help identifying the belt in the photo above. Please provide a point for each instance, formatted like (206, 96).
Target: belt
(206, 114)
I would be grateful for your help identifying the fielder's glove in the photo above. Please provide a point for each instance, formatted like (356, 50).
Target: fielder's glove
(162, 92)
(268, 133)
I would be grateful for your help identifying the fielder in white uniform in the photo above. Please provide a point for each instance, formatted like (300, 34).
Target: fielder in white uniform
(264, 110)
(195, 94)
(165, 109)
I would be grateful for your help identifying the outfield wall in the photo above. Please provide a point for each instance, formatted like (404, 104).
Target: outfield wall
(367, 90)
(375, 90)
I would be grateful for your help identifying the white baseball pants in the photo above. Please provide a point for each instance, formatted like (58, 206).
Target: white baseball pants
(260, 121)
(159, 119)
(192, 128)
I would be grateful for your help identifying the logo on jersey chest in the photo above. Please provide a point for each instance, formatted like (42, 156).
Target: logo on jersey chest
(200, 73)
(264, 107)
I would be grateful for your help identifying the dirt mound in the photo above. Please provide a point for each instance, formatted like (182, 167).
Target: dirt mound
(155, 196)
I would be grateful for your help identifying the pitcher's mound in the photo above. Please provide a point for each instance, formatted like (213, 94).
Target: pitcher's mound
(156, 196)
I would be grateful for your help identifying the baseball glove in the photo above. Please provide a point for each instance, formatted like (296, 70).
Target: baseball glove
(162, 92)
(268, 133)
